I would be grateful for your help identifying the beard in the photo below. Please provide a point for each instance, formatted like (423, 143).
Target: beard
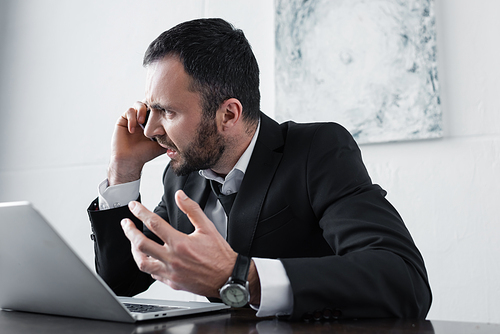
(202, 153)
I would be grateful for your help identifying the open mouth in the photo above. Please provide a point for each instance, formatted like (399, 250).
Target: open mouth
(165, 143)
(171, 153)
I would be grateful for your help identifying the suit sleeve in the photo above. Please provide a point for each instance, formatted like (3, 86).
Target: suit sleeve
(376, 269)
(113, 258)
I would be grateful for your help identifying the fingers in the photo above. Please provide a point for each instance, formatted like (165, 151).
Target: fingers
(145, 263)
(199, 262)
(145, 251)
(142, 110)
(154, 223)
(138, 240)
(194, 212)
(135, 116)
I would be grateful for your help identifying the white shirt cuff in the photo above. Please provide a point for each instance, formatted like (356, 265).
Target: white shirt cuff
(119, 195)
(276, 296)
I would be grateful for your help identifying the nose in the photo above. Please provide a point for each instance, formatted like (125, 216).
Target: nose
(153, 126)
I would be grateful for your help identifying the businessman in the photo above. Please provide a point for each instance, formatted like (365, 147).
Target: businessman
(283, 217)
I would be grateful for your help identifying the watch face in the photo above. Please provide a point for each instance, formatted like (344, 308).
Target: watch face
(234, 295)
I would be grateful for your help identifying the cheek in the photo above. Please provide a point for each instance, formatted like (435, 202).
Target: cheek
(180, 133)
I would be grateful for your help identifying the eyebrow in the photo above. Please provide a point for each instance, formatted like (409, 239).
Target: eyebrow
(156, 106)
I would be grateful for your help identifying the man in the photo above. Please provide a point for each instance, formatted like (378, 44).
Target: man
(307, 229)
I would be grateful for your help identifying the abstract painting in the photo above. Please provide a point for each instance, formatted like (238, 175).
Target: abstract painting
(369, 65)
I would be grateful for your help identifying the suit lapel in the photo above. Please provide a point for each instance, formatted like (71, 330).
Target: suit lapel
(259, 174)
(198, 189)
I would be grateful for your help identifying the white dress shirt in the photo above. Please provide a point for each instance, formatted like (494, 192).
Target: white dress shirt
(276, 292)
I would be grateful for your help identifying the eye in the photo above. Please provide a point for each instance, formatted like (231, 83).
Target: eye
(168, 113)
(161, 111)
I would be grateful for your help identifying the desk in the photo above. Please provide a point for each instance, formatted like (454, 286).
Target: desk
(233, 321)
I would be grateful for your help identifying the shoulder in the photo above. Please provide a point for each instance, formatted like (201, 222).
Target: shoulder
(275, 135)
(322, 133)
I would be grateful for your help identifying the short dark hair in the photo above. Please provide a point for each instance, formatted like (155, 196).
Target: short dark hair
(219, 60)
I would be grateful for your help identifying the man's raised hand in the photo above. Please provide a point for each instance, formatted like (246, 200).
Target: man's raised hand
(130, 149)
(200, 262)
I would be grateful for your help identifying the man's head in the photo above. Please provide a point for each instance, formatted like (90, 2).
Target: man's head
(219, 60)
(202, 89)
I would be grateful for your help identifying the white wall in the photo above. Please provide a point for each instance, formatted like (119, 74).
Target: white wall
(448, 190)
(70, 68)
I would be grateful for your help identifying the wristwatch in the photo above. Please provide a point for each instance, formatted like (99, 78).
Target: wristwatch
(235, 292)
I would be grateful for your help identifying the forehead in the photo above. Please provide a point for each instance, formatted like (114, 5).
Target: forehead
(167, 82)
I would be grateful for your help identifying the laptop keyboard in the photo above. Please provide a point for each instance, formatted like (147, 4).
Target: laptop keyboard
(146, 308)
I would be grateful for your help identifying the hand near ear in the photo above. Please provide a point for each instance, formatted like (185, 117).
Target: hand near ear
(200, 262)
(130, 148)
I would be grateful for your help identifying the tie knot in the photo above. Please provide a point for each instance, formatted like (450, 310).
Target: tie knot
(225, 200)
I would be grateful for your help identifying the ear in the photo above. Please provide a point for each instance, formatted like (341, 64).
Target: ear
(229, 114)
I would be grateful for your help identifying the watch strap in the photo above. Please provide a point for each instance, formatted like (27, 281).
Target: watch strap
(241, 268)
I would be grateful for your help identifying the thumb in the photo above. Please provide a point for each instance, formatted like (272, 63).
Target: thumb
(193, 211)
(154, 222)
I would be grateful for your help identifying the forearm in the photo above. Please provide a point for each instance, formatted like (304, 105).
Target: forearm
(113, 259)
(372, 283)
(120, 172)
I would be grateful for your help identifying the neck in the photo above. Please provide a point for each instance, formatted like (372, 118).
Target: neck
(236, 146)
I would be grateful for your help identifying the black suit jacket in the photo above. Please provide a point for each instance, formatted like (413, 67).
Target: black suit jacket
(307, 200)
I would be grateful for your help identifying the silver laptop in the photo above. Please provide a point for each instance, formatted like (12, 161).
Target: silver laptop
(40, 273)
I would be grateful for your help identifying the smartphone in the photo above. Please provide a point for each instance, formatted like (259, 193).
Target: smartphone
(143, 125)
